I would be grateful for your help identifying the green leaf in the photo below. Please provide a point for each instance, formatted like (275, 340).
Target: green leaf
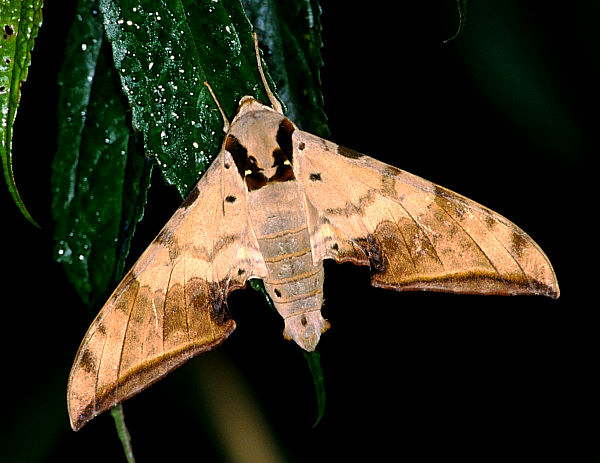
(163, 54)
(463, 11)
(313, 359)
(100, 176)
(290, 33)
(20, 21)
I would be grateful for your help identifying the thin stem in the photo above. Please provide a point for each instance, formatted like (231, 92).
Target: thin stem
(124, 437)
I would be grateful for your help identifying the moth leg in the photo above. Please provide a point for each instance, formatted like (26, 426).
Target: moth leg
(274, 101)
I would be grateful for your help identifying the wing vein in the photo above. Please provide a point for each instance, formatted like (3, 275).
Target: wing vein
(131, 309)
(474, 242)
(506, 249)
(98, 372)
(164, 308)
(185, 305)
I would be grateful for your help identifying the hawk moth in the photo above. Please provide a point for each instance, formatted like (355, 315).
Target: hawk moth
(274, 204)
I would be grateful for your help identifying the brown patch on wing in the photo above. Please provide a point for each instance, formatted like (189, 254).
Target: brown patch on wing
(518, 244)
(190, 199)
(449, 206)
(201, 293)
(490, 222)
(351, 208)
(348, 153)
(208, 255)
(388, 185)
(88, 361)
(373, 249)
(168, 239)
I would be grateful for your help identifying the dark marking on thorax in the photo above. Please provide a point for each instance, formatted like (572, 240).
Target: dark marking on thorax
(257, 161)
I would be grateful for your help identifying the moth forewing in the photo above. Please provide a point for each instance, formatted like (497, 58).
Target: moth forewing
(171, 304)
(417, 235)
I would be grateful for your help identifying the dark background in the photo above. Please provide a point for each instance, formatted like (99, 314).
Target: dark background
(502, 115)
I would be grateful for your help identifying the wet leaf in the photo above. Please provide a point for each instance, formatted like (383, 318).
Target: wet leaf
(100, 176)
(20, 21)
(163, 54)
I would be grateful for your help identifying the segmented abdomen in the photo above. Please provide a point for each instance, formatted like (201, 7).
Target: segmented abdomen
(294, 283)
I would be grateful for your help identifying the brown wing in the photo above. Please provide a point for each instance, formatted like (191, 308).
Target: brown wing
(171, 304)
(414, 234)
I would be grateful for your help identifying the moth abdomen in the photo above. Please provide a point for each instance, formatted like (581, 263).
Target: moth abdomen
(293, 281)
(295, 284)
(296, 287)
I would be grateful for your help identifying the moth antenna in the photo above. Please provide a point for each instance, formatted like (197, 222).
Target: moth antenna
(274, 101)
(225, 120)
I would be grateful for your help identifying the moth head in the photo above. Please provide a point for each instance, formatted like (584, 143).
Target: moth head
(260, 143)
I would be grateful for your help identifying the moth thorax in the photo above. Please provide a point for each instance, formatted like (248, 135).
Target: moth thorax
(261, 144)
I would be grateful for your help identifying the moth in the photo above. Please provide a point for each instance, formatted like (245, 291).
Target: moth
(274, 204)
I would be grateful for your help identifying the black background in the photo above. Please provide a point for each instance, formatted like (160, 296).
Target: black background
(502, 115)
